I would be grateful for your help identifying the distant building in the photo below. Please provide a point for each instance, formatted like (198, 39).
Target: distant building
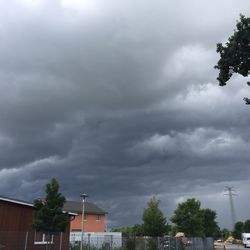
(95, 217)
(94, 227)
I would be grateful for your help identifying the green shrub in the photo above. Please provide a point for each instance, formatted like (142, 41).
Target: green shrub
(152, 244)
(130, 244)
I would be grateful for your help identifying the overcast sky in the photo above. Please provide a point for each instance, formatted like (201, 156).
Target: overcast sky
(119, 99)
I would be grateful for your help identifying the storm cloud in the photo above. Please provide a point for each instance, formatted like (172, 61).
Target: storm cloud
(119, 99)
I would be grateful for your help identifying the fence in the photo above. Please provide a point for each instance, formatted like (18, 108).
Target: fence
(12, 240)
(143, 243)
(97, 240)
(35, 241)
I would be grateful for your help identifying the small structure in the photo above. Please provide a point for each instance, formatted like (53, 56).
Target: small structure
(16, 232)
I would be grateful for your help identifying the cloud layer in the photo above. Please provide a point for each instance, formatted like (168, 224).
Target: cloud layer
(120, 100)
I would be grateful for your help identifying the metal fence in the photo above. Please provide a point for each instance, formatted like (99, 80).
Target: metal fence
(13, 240)
(144, 243)
(33, 241)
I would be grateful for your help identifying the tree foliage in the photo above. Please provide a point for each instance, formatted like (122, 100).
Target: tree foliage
(241, 227)
(247, 226)
(188, 218)
(210, 225)
(126, 231)
(235, 55)
(49, 217)
(136, 230)
(238, 229)
(225, 233)
(154, 220)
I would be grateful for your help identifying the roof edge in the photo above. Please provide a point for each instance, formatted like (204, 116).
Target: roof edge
(28, 204)
(17, 202)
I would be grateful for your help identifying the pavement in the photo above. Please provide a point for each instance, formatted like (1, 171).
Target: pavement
(228, 246)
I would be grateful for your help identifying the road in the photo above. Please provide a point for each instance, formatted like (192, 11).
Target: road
(229, 247)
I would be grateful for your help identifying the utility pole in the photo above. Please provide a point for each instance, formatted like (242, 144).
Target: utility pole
(231, 193)
(84, 196)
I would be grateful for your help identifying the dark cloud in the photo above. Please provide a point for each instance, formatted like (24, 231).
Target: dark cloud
(121, 101)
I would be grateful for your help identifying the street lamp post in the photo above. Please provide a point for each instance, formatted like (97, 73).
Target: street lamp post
(84, 196)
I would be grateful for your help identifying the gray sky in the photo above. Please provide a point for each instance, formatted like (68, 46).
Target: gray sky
(119, 99)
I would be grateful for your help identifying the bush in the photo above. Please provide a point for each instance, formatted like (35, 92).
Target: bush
(130, 244)
(152, 244)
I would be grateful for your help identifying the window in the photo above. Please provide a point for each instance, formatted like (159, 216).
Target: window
(98, 217)
(41, 238)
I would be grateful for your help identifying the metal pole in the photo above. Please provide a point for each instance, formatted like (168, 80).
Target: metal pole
(111, 242)
(61, 234)
(232, 207)
(88, 241)
(26, 240)
(84, 196)
(82, 224)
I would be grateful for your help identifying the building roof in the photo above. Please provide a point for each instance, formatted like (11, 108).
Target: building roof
(20, 202)
(29, 204)
(89, 208)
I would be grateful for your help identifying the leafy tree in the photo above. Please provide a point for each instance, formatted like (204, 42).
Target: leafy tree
(126, 231)
(247, 226)
(210, 226)
(235, 55)
(189, 219)
(138, 230)
(174, 230)
(238, 229)
(225, 233)
(130, 244)
(49, 217)
(154, 220)
(152, 244)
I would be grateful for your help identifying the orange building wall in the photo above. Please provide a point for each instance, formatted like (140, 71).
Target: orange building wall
(90, 224)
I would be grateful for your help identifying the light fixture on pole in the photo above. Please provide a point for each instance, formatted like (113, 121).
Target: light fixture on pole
(84, 196)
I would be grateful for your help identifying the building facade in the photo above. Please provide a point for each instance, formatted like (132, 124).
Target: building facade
(16, 232)
(94, 219)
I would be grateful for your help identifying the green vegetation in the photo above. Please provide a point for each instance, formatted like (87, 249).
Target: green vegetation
(225, 233)
(130, 244)
(238, 229)
(210, 226)
(241, 227)
(190, 219)
(154, 220)
(49, 217)
(247, 226)
(136, 230)
(235, 55)
(152, 244)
